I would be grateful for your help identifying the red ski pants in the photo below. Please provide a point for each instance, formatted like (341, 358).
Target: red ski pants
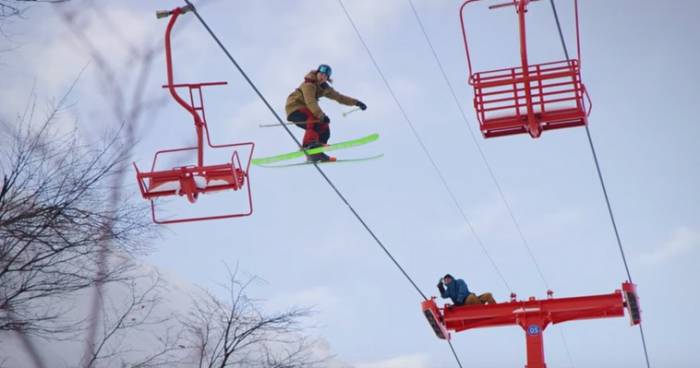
(316, 132)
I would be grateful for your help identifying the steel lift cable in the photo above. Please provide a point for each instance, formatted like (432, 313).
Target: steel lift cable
(430, 158)
(454, 353)
(602, 182)
(320, 171)
(478, 147)
(525, 243)
(423, 147)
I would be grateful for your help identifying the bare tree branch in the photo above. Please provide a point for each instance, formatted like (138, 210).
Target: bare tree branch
(15, 8)
(51, 214)
(64, 219)
(128, 104)
(236, 333)
(140, 311)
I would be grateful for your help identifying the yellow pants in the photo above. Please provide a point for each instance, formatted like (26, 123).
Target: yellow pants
(485, 298)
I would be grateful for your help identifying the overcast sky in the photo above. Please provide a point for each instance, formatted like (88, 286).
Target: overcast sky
(639, 61)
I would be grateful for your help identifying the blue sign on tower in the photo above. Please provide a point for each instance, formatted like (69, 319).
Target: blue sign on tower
(533, 330)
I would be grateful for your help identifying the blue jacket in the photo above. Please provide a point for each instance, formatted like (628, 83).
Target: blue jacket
(456, 290)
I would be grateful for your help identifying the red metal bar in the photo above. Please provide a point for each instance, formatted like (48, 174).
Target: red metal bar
(464, 35)
(578, 33)
(512, 3)
(533, 126)
(534, 341)
(179, 85)
(503, 5)
(169, 66)
(197, 86)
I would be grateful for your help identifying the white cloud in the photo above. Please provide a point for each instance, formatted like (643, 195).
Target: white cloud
(683, 241)
(57, 55)
(405, 361)
(52, 57)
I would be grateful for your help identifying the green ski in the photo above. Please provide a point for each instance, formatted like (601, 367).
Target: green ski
(338, 161)
(296, 154)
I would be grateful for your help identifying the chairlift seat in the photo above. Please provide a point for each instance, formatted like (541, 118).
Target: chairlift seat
(191, 180)
(557, 98)
(530, 97)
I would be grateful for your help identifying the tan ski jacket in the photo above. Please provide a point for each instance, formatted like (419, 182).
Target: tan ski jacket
(310, 91)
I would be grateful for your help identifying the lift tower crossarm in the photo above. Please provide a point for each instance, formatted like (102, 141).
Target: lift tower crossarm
(532, 315)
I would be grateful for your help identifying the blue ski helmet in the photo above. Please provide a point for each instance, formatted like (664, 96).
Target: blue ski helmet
(325, 69)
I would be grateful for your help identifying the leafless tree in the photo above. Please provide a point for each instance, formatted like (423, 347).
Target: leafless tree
(236, 333)
(142, 316)
(52, 213)
(123, 85)
(14, 8)
(63, 216)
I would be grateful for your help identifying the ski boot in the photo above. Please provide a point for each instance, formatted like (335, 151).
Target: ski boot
(318, 157)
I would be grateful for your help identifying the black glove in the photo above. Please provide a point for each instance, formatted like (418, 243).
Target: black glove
(361, 105)
(441, 287)
(326, 119)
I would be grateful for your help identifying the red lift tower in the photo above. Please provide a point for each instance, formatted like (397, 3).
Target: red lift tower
(532, 315)
(528, 98)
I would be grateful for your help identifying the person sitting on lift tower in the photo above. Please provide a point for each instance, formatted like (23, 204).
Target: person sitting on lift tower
(457, 290)
(302, 108)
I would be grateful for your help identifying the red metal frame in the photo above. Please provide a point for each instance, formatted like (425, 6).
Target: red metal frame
(532, 315)
(191, 180)
(528, 98)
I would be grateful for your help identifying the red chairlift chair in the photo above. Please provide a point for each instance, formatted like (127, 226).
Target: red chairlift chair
(192, 180)
(529, 97)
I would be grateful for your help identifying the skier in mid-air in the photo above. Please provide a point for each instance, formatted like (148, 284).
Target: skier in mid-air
(302, 108)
